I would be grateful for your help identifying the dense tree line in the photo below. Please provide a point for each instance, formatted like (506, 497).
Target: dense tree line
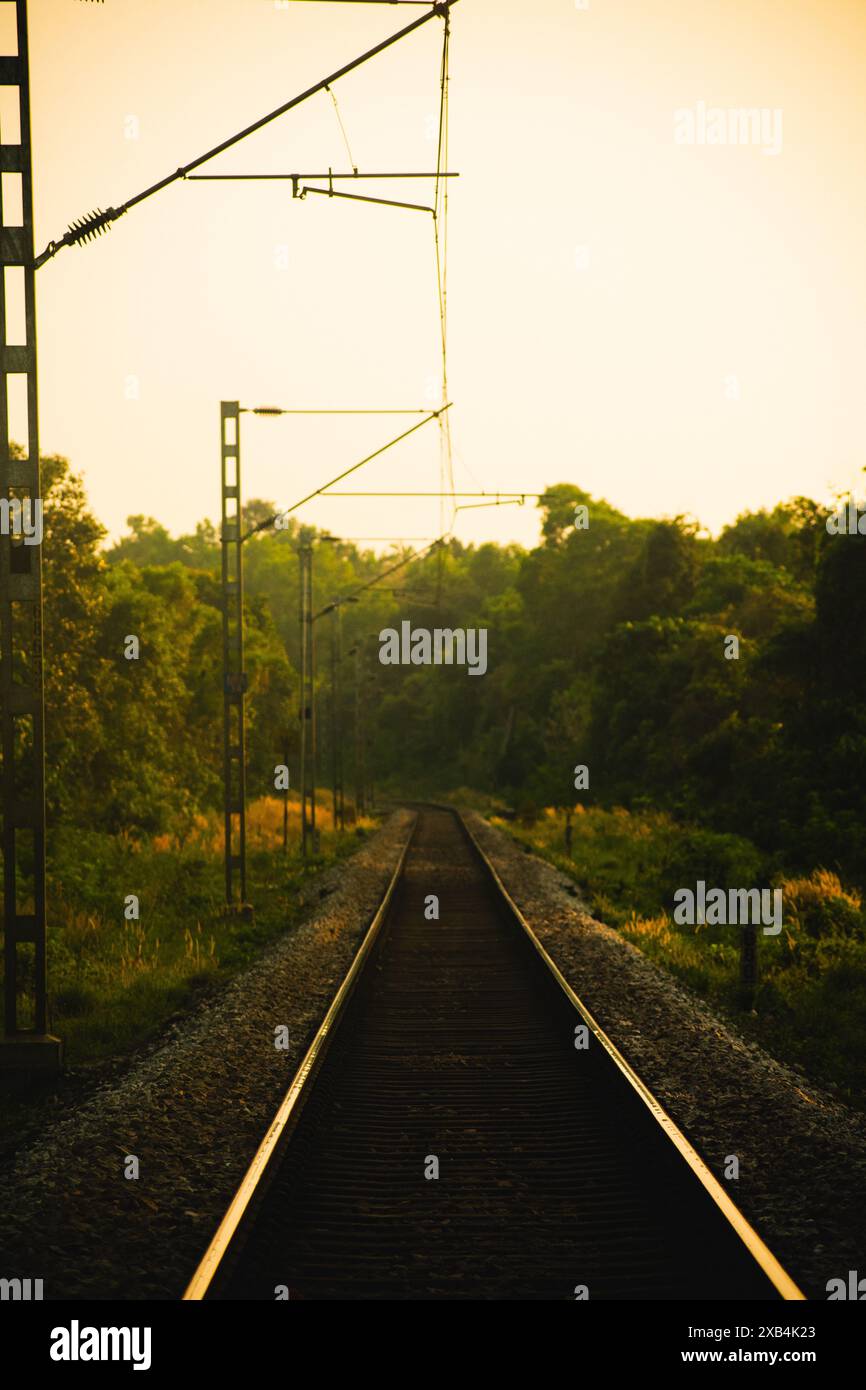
(606, 647)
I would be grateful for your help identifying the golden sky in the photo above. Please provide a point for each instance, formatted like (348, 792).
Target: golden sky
(680, 328)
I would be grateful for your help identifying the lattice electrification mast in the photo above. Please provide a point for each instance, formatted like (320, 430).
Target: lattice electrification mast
(234, 675)
(232, 537)
(21, 698)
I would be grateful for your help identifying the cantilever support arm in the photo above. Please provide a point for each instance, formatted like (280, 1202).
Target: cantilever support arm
(97, 222)
(364, 198)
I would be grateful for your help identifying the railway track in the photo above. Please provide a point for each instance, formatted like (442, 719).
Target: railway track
(454, 1040)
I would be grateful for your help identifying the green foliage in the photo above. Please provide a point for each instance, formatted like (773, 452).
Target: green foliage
(662, 579)
(114, 982)
(606, 647)
(136, 745)
(787, 538)
(811, 1003)
(725, 861)
(634, 862)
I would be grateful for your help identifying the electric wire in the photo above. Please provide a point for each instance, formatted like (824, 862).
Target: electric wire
(270, 521)
(333, 97)
(97, 222)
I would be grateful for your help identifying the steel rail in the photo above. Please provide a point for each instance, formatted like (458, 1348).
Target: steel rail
(210, 1264)
(760, 1252)
(289, 1105)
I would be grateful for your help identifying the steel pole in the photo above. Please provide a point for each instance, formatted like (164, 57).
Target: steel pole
(234, 676)
(303, 556)
(339, 709)
(313, 750)
(334, 771)
(26, 1040)
(286, 803)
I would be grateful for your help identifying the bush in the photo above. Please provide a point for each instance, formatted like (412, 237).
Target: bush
(721, 861)
(820, 907)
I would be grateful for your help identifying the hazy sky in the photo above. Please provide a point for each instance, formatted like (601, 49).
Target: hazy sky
(677, 327)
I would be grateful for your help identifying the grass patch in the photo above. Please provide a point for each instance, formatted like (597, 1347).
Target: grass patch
(116, 980)
(810, 1007)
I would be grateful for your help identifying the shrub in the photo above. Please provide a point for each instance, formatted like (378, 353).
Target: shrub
(820, 907)
(722, 861)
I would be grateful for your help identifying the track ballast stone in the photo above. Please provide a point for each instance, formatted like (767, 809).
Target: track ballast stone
(195, 1107)
(193, 1111)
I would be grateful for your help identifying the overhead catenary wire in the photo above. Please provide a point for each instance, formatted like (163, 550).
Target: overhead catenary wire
(504, 502)
(413, 555)
(329, 174)
(439, 211)
(264, 525)
(323, 410)
(438, 544)
(495, 497)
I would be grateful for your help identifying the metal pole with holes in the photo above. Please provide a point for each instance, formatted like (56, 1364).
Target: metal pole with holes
(314, 834)
(234, 676)
(335, 772)
(304, 555)
(338, 698)
(748, 964)
(359, 763)
(26, 1040)
(286, 800)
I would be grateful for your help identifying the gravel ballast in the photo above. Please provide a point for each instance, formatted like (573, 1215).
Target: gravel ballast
(194, 1107)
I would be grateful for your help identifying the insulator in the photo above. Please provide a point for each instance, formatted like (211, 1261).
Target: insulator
(92, 225)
